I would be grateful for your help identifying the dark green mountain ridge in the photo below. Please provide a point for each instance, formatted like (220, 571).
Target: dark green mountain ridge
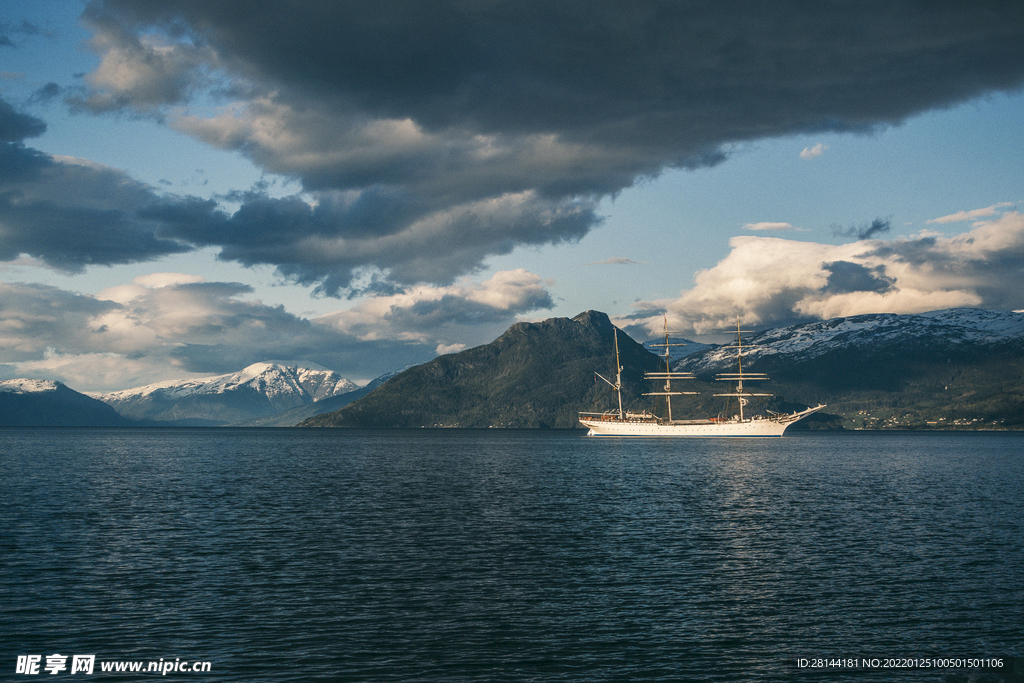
(534, 375)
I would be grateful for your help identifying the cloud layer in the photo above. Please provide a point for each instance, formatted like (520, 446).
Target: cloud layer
(429, 136)
(133, 334)
(770, 281)
(71, 213)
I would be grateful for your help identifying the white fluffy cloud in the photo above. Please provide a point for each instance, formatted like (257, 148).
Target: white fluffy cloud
(142, 71)
(961, 216)
(769, 227)
(768, 280)
(814, 152)
(427, 314)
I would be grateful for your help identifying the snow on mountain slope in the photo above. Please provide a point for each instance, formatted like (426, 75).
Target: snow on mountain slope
(273, 378)
(28, 386)
(259, 389)
(46, 403)
(953, 327)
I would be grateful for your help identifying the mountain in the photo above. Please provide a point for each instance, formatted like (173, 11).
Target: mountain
(293, 416)
(259, 390)
(951, 368)
(45, 403)
(949, 331)
(534, 375)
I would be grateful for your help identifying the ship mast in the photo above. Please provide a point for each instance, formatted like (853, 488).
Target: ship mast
(617, 385)
(618, 372)
(668, 376)
(739, 376)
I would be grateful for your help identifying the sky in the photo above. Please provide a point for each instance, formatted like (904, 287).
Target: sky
(190, 187)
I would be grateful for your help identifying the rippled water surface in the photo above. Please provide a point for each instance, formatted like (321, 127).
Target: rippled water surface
(462, 555)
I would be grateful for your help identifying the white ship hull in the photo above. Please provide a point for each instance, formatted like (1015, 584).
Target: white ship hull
(639, 425)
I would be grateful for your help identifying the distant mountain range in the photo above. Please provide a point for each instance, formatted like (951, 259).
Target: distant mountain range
(952, 368)
(260, 390)
(952, 331)
(961, 368)
(273, 393)
(293, 416)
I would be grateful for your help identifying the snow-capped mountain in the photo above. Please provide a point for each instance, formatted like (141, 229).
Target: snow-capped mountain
(28, 386)
(952, 329)
(960, 368)
(46, 403)
(293, 416)
(258, 390)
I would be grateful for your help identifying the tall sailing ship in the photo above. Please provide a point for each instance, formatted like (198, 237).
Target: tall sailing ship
(625, 423)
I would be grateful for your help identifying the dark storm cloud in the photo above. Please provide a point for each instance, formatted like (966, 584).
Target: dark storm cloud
(864, 232)
(918, 251)
(15, 126)
(48, 92)
(681, 77)
(455, 130)
(845, 277)
(70, 214)
(330, 244)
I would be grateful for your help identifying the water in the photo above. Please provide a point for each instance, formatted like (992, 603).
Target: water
(493, 555)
